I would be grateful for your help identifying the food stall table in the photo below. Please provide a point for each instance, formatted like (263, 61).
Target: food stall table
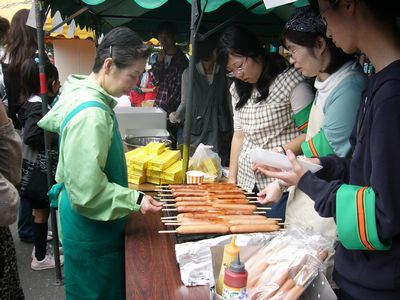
(151, 270)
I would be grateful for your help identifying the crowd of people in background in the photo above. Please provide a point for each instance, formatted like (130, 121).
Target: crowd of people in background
(316, 103)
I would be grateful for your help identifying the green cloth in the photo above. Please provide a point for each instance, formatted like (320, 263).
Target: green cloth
(84, 148)
(355, 219)
(301, 118)
(318, 145)
(94, 250)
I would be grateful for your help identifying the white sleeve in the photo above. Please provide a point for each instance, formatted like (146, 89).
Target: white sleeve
(301, 96)
(180, 111)
(235, 99)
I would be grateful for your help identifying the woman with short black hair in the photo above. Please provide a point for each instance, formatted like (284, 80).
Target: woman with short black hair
(92, 190)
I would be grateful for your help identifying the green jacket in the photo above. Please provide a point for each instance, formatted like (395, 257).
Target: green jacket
(84, 146)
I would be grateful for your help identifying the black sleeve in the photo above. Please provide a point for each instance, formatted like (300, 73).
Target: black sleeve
(33, 134)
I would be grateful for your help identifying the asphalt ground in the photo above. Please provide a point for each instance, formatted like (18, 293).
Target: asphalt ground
(37, 285)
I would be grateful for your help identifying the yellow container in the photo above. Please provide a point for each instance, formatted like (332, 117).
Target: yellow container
(165, 160)
(230, 254)
(154, 148)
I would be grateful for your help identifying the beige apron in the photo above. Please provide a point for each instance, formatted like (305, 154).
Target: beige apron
(300, 210)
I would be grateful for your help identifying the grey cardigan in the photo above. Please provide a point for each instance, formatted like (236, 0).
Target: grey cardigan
(10, 173)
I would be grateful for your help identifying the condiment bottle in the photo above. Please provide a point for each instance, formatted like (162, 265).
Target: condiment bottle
(235, 281)
(231, 252)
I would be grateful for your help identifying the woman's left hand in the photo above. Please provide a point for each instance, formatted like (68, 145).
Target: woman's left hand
(150, 205)
(290, 177)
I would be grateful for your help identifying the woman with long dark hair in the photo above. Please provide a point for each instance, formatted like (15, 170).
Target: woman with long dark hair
(266, 94)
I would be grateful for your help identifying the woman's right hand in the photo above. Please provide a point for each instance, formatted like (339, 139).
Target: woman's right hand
(271, 194)
(150, 205)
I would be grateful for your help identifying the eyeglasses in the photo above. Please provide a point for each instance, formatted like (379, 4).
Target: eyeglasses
(237, 72)
(323, 11)
(291, 52)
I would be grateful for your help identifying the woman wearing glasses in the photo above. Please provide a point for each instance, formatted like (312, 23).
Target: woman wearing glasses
(266, 93)
(339, 83)
(362, 193)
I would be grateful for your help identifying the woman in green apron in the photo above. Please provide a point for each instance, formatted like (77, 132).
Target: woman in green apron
(92, 191)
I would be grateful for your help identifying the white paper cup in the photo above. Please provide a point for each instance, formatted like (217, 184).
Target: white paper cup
(194, 177)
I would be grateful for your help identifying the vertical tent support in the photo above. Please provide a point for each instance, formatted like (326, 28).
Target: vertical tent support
(47, 145)
(186, 129)
(194, 26)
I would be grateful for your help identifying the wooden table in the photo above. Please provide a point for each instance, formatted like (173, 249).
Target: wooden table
(151, 270)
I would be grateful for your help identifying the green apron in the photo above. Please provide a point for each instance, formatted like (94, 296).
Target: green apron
(94, 250)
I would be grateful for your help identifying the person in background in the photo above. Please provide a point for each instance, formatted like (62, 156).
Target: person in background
(4, 27)
(10, 175)
(339, 83)
(94, 200)
(171, 62)
(34, 185)
(145, 89)
(21, 45)
(266, 93)
(362, 192)
(211, 118)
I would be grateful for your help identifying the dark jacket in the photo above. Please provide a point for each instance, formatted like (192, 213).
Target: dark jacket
(375, 163)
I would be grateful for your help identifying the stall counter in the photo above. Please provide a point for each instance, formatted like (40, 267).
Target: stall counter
(151, 270)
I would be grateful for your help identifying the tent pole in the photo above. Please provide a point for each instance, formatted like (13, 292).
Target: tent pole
(47, 145)
(82, 10)
(188, 112)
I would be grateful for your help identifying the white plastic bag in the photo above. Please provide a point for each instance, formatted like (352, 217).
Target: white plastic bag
(207, 161)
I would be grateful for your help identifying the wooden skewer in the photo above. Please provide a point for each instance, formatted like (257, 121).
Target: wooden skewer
(252, 197)
(168, 218)
(169, 204)
(168, 209)
(164, 195)
(264, 208)
(253, 201)
(167, 231)
(166, 200)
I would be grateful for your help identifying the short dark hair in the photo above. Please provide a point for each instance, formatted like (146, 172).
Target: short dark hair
(308, 39)
(206, 46)
(123, 45)
(386, 10)
(237, 40)
(166, 27)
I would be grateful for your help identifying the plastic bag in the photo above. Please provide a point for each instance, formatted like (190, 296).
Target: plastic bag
(207, 161)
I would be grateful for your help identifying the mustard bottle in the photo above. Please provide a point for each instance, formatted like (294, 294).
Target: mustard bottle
(231, 252)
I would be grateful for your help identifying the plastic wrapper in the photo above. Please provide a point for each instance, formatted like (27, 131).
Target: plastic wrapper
(286, 266)
(207, 161)
(195, 261)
